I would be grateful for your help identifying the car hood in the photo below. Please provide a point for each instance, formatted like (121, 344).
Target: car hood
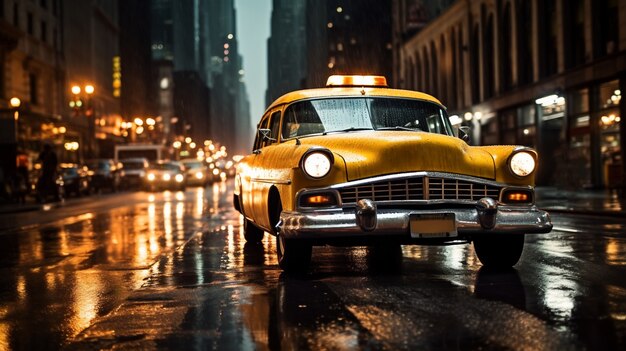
(374, 153)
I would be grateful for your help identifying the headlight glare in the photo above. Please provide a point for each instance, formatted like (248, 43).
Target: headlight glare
(522, 164)
(151, 177)
(317, 164)
(179, 178)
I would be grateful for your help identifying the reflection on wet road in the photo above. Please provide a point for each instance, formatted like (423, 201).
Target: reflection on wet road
(172, 270)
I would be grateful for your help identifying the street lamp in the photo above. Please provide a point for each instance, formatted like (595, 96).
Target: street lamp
(15, 103)
(82, 104)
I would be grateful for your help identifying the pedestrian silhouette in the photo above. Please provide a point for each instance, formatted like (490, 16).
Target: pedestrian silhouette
(47, 181)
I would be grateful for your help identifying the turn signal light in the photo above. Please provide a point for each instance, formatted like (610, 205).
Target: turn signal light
(318, 200)
(517, 196)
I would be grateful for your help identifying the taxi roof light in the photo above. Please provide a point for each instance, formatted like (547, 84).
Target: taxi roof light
(356, 81)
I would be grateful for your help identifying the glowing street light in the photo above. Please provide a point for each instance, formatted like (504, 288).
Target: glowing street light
(15, 102)
(138, 121)
(76, 90)
(150, 121)
(89, 89)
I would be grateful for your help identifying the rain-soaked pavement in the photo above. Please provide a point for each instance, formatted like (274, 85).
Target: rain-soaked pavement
(172, 271)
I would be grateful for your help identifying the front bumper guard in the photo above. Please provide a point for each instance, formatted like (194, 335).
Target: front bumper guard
(368, 220)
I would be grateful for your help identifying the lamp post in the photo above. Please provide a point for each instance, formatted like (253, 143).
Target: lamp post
(15, 104)
(85, 107)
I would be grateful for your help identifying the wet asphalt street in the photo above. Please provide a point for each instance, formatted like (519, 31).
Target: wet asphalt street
(172, 271)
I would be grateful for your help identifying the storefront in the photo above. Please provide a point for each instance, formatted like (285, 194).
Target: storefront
(594, 122)
(577, 135)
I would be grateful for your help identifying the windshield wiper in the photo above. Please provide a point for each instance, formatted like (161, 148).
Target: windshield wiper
(400, 128)
(351, 129)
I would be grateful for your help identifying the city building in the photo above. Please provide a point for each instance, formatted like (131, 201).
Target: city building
(542, 73)
(231, 116)
(347, 37)
(286, 49)
(177, 47)
(31, 81)
(138, 96)
(93, 87)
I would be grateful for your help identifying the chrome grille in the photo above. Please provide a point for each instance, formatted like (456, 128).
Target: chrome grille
(419, 188)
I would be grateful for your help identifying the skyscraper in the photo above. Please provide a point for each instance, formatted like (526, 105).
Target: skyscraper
(286, 48)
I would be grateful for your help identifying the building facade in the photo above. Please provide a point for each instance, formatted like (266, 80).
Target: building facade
(542, 73)
(138, 96)
(347, 37)
(31, 70)
(231, 115)
(286, 48)
(91, 47)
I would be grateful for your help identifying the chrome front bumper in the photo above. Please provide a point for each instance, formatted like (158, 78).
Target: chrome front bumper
(366, 220)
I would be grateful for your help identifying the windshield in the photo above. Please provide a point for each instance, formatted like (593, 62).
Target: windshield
(103, 165)
(344, 114)
(166, 167)
(70, 171)
(193, 165)
(133, 165)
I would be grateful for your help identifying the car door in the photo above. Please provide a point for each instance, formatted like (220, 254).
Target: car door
(263, 166)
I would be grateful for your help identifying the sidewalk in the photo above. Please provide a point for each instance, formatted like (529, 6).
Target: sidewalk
(583, 201)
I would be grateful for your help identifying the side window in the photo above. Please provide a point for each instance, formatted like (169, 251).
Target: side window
(258, 142)
(275, 126)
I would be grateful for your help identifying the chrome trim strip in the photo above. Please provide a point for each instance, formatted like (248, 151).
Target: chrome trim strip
(400, 176)
(271, 181)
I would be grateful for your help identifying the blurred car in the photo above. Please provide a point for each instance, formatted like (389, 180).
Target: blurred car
(359, 163)
(134, 172)
(75, 178)
(105, 174)
(195, 171)
(215, 173)
(166, 175)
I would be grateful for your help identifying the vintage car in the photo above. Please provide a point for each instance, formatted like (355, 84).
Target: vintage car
(357, 163)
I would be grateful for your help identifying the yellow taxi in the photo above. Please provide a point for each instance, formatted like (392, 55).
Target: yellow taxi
(358, 163)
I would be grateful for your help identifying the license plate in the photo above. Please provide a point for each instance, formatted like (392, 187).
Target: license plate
(438, 225)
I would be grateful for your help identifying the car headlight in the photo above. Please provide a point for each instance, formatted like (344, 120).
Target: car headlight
(317, 163)
(199, 175)
(151, 177)
(167, 177)
(522, 163)
(179, 178)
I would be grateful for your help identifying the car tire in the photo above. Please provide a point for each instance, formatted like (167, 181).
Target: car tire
(499, 251)
(252, 233)
(294, 256)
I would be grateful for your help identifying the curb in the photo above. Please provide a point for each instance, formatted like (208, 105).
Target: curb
(28, 208)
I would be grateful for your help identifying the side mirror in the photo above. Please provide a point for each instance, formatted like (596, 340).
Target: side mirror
(266, 135)
(464, 133)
